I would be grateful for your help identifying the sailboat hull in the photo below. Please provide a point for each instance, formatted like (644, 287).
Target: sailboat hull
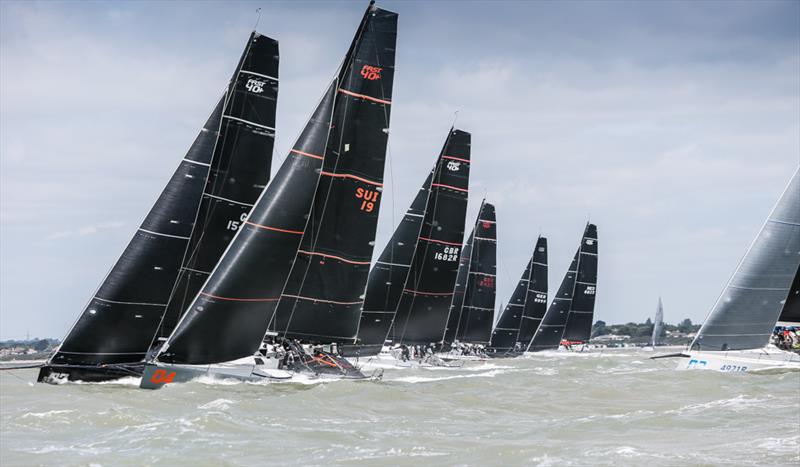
(157, 375)
(741, 361)
(57, 374)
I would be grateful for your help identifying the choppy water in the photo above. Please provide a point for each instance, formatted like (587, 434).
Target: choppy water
(616, 408)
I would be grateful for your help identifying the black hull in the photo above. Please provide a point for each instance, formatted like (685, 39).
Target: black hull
(508, 354)
(55, 374)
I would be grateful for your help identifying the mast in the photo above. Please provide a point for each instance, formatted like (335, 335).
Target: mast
(334, 156)
(581, 313)
(123, 316)
(745, 314)
(474, 318)
(422, 311)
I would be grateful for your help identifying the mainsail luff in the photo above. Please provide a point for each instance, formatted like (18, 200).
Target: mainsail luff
(323, 296)
(751, 303)
(476, 314)
(388, 277)
(119, 323)
(238, 175)
(422, 311)
(581, 312)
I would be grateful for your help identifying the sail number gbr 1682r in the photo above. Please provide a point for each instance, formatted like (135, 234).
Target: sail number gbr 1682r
(450, 253)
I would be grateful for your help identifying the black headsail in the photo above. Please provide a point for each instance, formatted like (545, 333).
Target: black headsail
(229, 317)
(388, 277)
(324, 294)
(473, 320)
(527, 306)
(122, 318)
(581, 312)
(422, 311)
(551, 330)
(459, 292)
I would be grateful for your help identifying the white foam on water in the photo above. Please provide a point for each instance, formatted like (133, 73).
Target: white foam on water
(428, 379)
(47, 414)
(735, 404)
(217, 404)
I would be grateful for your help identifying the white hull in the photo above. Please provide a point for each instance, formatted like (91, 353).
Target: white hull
(741, 361)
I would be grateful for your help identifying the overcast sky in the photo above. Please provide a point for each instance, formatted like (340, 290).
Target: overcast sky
(674, 126)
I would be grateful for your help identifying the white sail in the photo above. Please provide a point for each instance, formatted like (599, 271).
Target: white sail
(748, 308)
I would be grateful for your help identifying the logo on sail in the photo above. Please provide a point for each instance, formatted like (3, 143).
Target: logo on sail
(453, 166)
(590, 290)
(486, 224)
(371, 72)
(255, 86)
(589, 241)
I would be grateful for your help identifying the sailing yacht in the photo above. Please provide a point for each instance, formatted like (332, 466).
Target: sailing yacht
(525, 309)
(185, 232)
(290, 285)
(762, 290)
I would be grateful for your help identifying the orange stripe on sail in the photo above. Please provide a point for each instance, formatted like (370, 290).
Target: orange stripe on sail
(450, 186)
(364, 96)
(274, 229)
(331, 174)
(332, 256)
(307, 154)
(439, 241)
(456, 159)
(241, 299)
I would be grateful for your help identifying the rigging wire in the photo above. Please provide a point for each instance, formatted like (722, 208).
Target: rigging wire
(258, 18)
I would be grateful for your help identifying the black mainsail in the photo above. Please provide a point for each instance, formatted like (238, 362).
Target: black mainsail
(472, 312)
(335, 155)
(525, 309)
(224, 167)
(581, 312)
(324, 295)
(388, 277)
(745, 314)
(421, 314)
(551, 330)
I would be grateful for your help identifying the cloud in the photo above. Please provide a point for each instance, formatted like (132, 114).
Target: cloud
(85, 230)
